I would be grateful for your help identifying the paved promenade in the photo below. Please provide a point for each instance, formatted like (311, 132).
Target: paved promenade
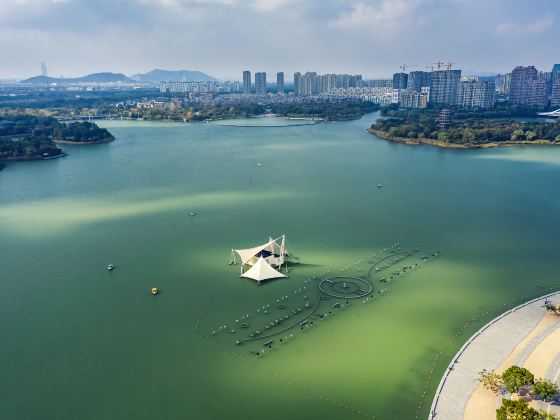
(486, 349)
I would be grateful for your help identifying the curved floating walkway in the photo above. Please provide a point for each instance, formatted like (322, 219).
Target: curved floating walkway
(487, 349)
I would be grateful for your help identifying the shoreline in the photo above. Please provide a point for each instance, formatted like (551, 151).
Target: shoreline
(63, 153)
(32, 158)
(103, 140)
(315, 120)
(436, 143)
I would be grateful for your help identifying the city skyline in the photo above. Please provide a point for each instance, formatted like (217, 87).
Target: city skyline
(76, 37)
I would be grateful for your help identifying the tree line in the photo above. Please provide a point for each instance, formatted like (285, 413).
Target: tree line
(424, 125)
(29, 136)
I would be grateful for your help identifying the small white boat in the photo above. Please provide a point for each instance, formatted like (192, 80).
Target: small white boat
(259, 164)
(155, 291)
(379, 185)
(110, 267)
(192, 213)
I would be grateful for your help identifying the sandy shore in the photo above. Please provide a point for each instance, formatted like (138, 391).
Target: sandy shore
(483, 403)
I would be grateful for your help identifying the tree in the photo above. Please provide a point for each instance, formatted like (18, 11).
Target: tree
(490, 380)
(515, 377)
(516, 410)
(550, 307)
(545, 389)
(518, 135)
(547, 416)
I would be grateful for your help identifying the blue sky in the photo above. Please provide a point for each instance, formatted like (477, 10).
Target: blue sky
(224, 37)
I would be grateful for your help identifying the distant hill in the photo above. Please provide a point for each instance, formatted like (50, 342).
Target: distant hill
(158, 75)
(90, 78)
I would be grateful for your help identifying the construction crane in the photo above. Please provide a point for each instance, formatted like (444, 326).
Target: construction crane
(438, 64)
(449, 65)
(405, 66)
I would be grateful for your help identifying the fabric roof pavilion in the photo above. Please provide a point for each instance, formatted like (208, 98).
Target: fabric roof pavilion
(262, 271)
(262, 262)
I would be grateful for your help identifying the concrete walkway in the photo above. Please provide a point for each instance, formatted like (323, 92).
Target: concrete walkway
(486, 349)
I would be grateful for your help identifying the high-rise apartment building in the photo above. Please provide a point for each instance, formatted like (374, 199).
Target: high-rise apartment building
(555, 98)
(380, 83)
(260, 83)
(400, 80)
(474, 93)
(280, 82)
(444, 85)
(309, 84)
(520, 77)
(246, 82)
(536, 93)
(417, 80)
(312, 83)
(297, 83)
(555, 73)
(527, 87)
(199, 87)
(503, 82)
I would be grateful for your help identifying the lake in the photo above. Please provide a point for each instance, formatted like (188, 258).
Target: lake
(82, 342)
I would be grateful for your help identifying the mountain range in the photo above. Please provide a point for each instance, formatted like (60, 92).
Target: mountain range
(154, 76)
(90, 78)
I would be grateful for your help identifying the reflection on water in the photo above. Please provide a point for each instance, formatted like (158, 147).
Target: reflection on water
(68, 213)
(530, 154)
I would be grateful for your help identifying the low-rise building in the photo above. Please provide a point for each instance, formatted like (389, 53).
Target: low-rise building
(379, 95)
(413, 99)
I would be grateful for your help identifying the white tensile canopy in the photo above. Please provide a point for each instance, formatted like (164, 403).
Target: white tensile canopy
(262, 262)
(262, 271)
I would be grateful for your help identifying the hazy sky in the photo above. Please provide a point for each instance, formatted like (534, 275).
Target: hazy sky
(224, 37)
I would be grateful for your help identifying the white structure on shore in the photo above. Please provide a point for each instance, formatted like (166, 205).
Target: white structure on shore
(263, 262)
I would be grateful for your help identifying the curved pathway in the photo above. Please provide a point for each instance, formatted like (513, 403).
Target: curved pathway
(486, 349)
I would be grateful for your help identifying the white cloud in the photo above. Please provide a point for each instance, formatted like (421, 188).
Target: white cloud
(260, 5)
(269, 5)
(387, 14)
(537, 26)
(223, 37)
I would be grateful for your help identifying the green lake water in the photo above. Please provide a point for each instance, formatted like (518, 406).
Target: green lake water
(79, 342)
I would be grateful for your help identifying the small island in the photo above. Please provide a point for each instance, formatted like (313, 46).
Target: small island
(463, 131)
(28, 137)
